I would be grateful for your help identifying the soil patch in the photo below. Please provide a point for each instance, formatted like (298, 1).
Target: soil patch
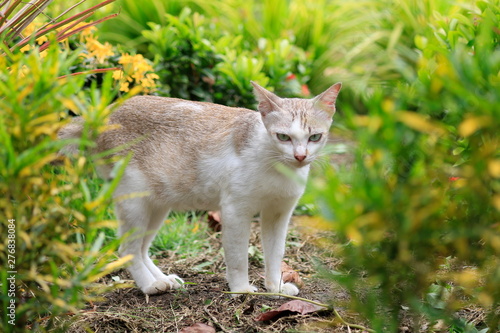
(203, 299)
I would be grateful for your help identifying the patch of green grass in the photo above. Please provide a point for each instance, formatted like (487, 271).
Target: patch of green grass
(183, 233)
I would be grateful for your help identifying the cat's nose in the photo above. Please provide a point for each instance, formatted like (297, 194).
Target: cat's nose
(300, 158)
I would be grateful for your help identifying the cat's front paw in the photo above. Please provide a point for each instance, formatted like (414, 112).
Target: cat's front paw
(156, 288)
(163, 284)
(288, 288)
(173, 281)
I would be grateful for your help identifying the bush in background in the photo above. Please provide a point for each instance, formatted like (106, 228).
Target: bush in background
(364, 44)
(200, 57)
(419, 221)
(197, 61)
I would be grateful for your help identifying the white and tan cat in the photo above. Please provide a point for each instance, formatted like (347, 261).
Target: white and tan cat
(202, 156)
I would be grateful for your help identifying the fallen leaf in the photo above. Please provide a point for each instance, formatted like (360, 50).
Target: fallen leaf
(214, 221)
(268, 315)
(296, 306)
(198, 328)
(289, 275)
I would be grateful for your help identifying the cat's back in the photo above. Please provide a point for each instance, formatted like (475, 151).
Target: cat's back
(171, 119)
(148, 113)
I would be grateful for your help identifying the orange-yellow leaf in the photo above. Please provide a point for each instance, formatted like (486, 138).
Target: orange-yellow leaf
(419, 122)
(470, 125)
(494, 168)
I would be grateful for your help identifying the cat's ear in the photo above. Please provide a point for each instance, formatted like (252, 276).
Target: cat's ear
(326, 100)
(268, 102)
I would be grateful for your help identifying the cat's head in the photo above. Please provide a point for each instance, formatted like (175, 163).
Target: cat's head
(298, 128)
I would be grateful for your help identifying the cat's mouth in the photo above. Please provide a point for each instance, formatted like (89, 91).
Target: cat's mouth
(296, 163)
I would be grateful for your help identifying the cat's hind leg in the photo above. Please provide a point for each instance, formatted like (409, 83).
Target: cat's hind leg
(139, 223)
(158, 215)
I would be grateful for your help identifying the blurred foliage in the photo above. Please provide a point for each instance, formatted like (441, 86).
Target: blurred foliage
(17, 22)
(420, 217)
(60, 252)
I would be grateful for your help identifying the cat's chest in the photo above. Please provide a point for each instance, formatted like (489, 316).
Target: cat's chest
(266, 184)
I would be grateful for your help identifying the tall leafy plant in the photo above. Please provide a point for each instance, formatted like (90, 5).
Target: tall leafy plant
(419, 221)
(17, 16)
(52, 254)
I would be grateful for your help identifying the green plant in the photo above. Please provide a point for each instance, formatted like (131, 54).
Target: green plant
(416, 196)
(184, 234)
(17, 17)
(184, 56)
(56, 252)
(197, 60)
(135, 17)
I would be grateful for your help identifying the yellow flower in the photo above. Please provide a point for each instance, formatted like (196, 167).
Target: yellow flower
(41, 40)
(149, 80)
(87, 32)
(84, 34)
(136, 68)
(25, 48)
(124, 87)
(117, 75)
(99, 51)
(30, 30)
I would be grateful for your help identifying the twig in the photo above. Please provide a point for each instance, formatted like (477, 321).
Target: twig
(281, 295)
(92, 71)
(216, 322)
(329, 307)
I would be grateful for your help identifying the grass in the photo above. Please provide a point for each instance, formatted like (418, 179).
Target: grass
(185, 234)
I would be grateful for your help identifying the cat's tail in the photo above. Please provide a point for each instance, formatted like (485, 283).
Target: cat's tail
(71, 131)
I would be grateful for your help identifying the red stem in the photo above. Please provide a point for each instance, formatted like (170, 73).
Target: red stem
(100, 70)
(63, 37)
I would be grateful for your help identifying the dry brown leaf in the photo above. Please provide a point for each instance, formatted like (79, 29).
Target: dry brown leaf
(214, 221)
(296, 306)
(289, 275)
(198, 328)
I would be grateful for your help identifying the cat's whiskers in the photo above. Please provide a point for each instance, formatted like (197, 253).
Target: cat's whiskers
(321, 161)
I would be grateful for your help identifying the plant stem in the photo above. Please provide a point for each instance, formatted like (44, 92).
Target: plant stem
(329, 307)
(281, 295)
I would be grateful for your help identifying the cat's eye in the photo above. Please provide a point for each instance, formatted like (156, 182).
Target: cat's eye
(315, 137)
(283, 137)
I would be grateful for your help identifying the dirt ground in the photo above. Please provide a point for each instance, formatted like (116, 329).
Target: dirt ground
(203, 299)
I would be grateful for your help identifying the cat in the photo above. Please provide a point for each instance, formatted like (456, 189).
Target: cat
(202, 156)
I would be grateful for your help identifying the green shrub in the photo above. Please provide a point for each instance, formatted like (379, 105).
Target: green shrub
(126, 29)
(419, 219)
(364, 44)
(196, 60)
(55, 254)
